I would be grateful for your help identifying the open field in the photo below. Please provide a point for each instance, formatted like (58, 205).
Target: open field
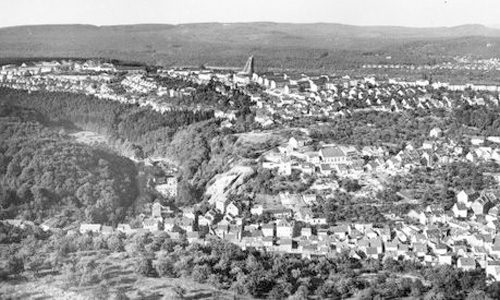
(89, 138)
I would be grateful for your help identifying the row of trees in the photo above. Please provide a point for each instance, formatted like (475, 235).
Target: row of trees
(375, 128)
(482, 117)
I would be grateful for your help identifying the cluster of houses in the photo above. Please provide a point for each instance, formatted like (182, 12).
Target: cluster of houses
(290, 97)
(128, 85)
(458, 63)
(325, 97)
(465, 237)
(371, 164)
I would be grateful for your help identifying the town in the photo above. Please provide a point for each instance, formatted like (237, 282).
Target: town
(464, 235)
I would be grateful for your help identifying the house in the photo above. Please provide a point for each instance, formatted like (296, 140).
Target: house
(363, 244)
(257, 210)
(306, 232)
(420, 216)
(341, 231)
(371, 234)
(125, 228)
(393, 162)
(373, 165)
(472, 157)
(459, 210)
(371, 252)
(285, 245)
(232, 209)
(467, 197)
(268, 241)
(94, 228)
(481, 206)
(221, 230)
(441, 249)
(325, 169)
(309, 199)
(420, 249)
(493, 213)
(284, 229)
(188, 212)
(385, 233)
(459, 249)
(342, 169)
(203, 221)
(466, 263)
(403, 249)
(477, 140)
(220, 204)
(106, 230)
(151, 224)
(333, 156)
(168, 188)
(313, 157)
(159, 211)
(168, 224)
(156, 210)
(493, 269)
(377, 244)
(268, 230)
(435, 132)
(295, 143)
(445, 259)
(285, 169)
(495, 249)
(263, 118)
(185, 224)
(193, 237)
(391, 246)
(281, 213)
(427, 145)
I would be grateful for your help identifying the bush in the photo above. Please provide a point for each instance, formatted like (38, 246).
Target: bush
(164, 266)
(144, 267)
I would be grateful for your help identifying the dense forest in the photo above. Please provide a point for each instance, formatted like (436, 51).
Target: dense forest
(321, 47)
(44, 174)
(122, 122)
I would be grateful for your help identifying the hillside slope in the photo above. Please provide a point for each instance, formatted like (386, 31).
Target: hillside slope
(44, 174)
(276, 45)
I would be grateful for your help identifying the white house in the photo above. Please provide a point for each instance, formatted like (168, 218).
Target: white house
(435, 132)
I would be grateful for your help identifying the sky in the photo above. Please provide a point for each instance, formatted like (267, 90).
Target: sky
(414, 13)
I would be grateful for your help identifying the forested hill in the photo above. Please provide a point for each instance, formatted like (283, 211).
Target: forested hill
(181, 136)
(275, 45)
(45, 174)
(133, 126)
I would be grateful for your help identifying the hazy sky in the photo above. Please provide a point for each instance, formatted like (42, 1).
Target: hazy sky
(421, 13)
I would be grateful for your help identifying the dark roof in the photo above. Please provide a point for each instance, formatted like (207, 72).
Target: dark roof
(332, 152)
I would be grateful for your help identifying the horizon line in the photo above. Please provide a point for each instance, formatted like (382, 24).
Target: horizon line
(490, 26)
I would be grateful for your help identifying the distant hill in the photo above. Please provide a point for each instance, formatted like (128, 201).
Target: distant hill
(275, 45)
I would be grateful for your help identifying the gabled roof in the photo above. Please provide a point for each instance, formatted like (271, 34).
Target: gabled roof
(332, 152)
(466, 261)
